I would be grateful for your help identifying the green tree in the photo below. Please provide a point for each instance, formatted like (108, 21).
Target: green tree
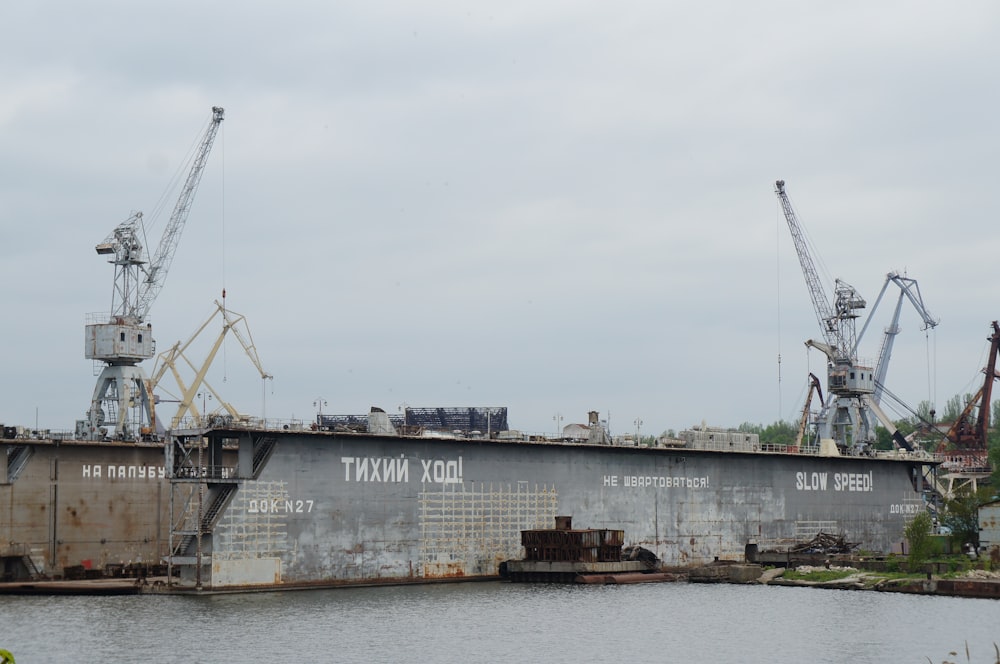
(954, 407)
(993, 445)
(923, 413)
(918, 534)
(883, 440)
(779, 433)
(961, 515)
(906, 427)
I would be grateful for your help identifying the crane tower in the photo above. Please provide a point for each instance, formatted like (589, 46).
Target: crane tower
(849, 383)
(122, 405)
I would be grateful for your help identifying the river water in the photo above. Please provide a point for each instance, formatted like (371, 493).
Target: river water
(501, 622)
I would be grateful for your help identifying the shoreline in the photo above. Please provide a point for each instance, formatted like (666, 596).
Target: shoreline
(975, 584)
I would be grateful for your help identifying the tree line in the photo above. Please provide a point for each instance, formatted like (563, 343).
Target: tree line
(784, 433)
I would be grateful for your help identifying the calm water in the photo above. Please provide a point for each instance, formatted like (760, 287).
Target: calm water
(498, 622)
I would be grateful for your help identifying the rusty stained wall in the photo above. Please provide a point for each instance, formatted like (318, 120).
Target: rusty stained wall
(87, 504)
(342, 509)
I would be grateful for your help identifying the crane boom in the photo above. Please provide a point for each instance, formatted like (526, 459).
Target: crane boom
(910, 289)
(804, 420)
(847, 420)
(824, 313)
(122, 404)
(156, 272)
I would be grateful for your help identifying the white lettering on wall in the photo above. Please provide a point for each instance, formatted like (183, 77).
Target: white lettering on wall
(841, 481)
(657, 481)
(136, 472)
(276, 506)
(376, 469)
(442, 472)
(394, 470)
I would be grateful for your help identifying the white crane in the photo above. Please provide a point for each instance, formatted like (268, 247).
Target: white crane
(849, 384)
(909, 289)
(122, 405)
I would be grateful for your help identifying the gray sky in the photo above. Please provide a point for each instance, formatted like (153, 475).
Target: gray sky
(551, 206)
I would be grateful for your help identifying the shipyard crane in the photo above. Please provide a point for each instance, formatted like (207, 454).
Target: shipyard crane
(849, 384)
(909, 289)
(814, 386)
(122, 407)
(965, 448)
(171, 359)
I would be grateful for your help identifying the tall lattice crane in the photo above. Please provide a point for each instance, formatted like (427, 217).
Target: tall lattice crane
(122, 405)
(849, 384)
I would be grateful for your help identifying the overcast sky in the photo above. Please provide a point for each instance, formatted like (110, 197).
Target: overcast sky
(551, 206)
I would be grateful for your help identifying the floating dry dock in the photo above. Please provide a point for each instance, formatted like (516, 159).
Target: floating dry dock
(253, 506)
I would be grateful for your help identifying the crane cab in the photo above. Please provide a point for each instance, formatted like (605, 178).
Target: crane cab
(119, 341)
(849, 378)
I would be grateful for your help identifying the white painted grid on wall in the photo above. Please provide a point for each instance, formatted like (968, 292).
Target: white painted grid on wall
(461, 524)
(246, 530)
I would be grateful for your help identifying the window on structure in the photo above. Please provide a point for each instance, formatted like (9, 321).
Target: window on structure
(140, 338)
(123, 336)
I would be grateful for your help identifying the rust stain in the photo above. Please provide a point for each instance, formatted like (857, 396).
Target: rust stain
(444, 571)
(74, 517)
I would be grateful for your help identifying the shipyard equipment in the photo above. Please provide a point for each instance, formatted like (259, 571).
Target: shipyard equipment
(908, 289)
(174, 359)
(965, 450)
(122, 407)
(850, 415)
(814, 387)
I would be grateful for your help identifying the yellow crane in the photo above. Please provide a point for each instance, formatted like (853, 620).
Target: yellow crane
(172, 359)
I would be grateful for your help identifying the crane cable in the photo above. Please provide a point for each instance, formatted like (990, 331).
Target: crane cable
(777, 271)
(931, 367)
(225, 345)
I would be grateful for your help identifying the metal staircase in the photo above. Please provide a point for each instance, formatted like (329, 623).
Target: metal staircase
(29, 564)
(261, 452)
(203, 482)
(17, 459)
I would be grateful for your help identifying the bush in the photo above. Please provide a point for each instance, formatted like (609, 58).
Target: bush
(962, 517)
(918, 534)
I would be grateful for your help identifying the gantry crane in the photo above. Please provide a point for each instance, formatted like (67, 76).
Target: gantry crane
(850, 415)
(122, 407)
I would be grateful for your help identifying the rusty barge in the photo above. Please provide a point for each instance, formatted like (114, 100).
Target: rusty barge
(253, 506)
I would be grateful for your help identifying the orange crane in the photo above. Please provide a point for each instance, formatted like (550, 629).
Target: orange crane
(965, 447)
